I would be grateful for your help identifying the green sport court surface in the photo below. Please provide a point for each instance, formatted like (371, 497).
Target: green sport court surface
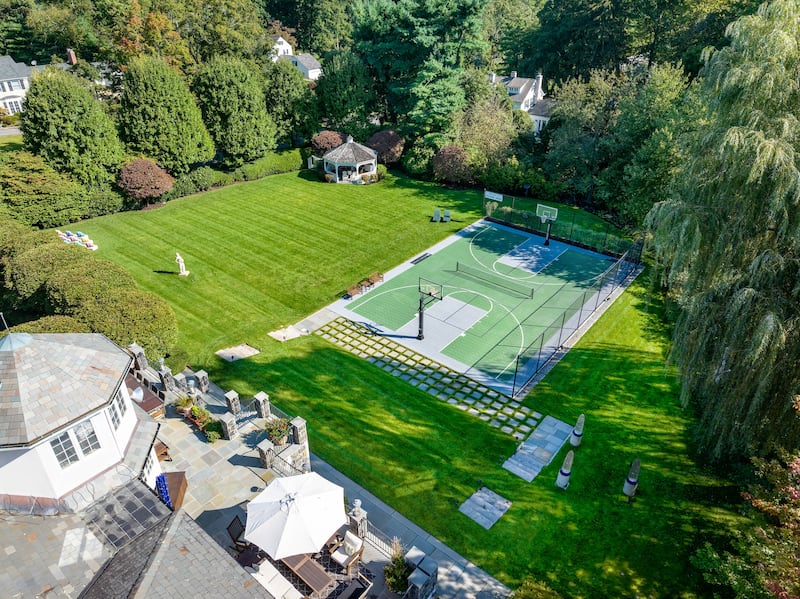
(502, 290)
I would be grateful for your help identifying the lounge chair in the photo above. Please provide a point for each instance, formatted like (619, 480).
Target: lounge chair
(348, 553)
(446, 217)
(437, 216)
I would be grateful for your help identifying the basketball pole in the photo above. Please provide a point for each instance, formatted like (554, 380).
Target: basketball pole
(420, 335)
(547, 236)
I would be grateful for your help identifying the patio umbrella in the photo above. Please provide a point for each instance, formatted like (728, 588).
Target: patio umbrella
(295, 514)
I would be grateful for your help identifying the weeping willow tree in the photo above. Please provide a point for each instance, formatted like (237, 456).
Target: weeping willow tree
(730, 242)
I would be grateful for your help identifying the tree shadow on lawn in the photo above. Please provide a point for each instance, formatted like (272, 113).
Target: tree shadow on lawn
(424, 458)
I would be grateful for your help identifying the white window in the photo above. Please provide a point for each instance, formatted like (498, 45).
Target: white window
(148, 467)
(15, 85)
(13, 106)
(87, 439)
(2, 86)
(121, 405)
(64, 450)
(117, 409)
(115, 417)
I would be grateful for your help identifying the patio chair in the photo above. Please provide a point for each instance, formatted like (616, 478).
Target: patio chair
(446, 217)
(437, 216)
(236, 532)
(348, 553)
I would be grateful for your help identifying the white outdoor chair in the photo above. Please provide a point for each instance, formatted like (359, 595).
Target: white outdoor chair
(349, 551)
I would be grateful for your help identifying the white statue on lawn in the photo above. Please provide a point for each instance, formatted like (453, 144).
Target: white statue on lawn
(181, 265)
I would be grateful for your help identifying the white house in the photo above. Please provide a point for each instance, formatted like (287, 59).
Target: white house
(527, 94)
(69, 432)
(14, 83)
(307, 65)
(280, 48)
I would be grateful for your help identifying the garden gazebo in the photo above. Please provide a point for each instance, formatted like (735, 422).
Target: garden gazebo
(349, 161)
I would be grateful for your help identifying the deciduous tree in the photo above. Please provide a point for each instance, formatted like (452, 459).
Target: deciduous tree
(729, 245)
(290, 102)
(388, 144)
(346, 95)
(144, 181)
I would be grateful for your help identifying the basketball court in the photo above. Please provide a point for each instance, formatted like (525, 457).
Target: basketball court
(489, 302)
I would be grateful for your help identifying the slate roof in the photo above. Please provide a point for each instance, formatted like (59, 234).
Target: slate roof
(523, 84)
(543, 107)
(189, 562)
(9, 69)
(308, 61)
(351, 152)
(50, 380)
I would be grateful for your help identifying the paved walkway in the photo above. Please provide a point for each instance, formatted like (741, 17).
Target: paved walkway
(494, 408)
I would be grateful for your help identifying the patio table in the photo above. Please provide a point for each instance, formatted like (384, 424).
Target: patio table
(309, 571)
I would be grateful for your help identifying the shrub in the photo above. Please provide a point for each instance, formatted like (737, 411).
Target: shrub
(67, 289)
(450, 164)
(143, 180)
(277, 429)
(382, 170)
(103, 201)
(27, 272)
(52, 324)
(213, 429)
(396, 572)
(531, 589)
(221, 179)
(417, 161)
(389, 146)
(283, 161)
(329, 178)
(325, 141)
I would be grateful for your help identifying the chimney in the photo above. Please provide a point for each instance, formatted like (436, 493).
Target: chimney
(492, 77)
(513, 74)
(71, 58)
(538, 88)
(349, 139)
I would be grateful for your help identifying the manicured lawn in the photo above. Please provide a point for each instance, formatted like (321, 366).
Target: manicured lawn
(268, 253)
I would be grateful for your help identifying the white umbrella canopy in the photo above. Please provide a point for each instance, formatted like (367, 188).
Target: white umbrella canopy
(295, 514)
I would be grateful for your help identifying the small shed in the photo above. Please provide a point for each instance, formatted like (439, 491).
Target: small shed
(349, 161)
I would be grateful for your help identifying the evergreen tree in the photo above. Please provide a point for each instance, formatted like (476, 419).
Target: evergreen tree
(729, 242)
(346, 95)
(65, 125)
(289, 101)
(159, 118)
(323, 26)
(231, 99)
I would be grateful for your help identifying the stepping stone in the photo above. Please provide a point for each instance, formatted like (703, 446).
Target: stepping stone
(508, 411)
(473, 411)
(495, 423)
(452, 401)
(485, 417)
(507, 430)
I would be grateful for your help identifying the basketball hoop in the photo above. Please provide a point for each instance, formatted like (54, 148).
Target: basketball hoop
(543, 218)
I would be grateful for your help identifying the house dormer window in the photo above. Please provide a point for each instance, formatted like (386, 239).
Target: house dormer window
(64, 450)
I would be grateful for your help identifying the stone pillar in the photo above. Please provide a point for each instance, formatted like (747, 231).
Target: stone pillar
(202, 380)
(230, 430)
(266, 453)
(180, 381)
(139, 359)
(232, 400)
(300, 437)
(358, 519)
(166, 378)
(577, 432)
(299, 431)
(562, 482)
(262, 405)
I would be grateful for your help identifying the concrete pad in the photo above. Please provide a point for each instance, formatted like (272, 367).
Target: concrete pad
(237, 352)
(485, 507)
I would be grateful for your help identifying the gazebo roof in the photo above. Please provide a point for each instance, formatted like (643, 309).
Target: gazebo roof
(351, 152)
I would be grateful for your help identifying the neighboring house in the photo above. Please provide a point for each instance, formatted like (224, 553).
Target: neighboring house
(527, 94)
(280, 48)
(307, 65)
(69, 432)
(14, 83)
